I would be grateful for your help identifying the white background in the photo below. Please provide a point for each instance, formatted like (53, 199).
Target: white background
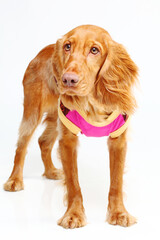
(26, 26)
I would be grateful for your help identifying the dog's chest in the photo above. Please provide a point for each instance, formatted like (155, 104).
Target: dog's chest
(96, 112)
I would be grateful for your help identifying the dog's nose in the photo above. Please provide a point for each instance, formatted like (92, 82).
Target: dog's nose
(70, 79)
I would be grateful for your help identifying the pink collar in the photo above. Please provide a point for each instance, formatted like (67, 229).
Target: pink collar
(72, 119)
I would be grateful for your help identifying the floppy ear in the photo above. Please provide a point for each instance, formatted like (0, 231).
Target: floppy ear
(116, 79)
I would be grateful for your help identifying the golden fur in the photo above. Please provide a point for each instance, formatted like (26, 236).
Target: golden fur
(106, 75)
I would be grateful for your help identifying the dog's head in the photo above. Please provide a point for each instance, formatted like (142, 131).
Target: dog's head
(87, 60)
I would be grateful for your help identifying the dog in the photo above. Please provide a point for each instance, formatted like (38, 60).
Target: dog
(83, 84)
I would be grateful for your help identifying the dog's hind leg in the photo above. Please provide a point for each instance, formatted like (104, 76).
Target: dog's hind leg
(31, 118)
(26, 130)
(46, 142)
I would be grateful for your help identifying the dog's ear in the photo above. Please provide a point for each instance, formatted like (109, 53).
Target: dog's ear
(116, 79)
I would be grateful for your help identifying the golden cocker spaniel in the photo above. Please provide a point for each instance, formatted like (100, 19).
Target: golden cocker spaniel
(84, 84)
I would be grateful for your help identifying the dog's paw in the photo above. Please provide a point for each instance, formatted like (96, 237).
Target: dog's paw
(72, 219)
(123, 219)
(56, 174)
(13, 185)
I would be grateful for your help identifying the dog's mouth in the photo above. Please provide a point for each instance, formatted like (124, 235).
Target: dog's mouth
(70, 91)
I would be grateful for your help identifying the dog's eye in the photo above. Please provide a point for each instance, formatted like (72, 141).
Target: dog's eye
(67, 47)
(94, 50)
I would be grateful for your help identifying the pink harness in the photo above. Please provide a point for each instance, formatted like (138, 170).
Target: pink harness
(90, 130)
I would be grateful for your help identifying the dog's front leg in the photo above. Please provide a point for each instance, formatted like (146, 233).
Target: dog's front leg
(117, 213)
(74, 216)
